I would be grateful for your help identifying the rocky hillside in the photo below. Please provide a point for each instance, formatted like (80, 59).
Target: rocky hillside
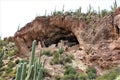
(98, 38)
(76, 46)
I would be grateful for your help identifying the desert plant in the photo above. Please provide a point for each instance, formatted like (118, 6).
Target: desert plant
(69, 58)
(11, 64)
(70, 77)
(70, 73)
(110, 75)
(89, 10)
(35, 68)
(59, 58)
(61, 50)
(8, 70)
(99, 12)
(104, 12)
(56, 58)
(69, 70)
(46, 52)
(18, 28)
(82, 76)
(91, 71)
(1, 58)
(114, 5)
(57, 77)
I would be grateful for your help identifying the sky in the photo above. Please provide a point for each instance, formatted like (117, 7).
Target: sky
(14, 13)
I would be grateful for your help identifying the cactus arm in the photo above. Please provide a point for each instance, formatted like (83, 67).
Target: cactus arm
(33, 52)
(31, 58)
(35, 71)
(18, 77)
(30, 74)
(40, 73)
(23, 71)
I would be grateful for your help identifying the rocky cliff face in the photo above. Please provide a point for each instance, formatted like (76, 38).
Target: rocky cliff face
(49, 30)
(98, 38)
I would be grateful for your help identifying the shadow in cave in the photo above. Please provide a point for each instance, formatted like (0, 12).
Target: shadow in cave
(66, 36)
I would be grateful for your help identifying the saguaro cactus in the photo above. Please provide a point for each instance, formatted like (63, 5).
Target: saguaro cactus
(35, 68)
(23, 71)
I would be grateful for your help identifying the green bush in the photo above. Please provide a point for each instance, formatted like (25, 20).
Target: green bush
(69, 58)
(8, 70)
(46, 73)
(91, 75)
(61, 58)
(69, 77)
(110, 75)
(11, 53)
(3, 43)
(56, 58)
(69, 70)
(82, 76)
(57, 77)
(1, 64)
(11, 64)
(2, 69)
(91, 71)
(56, 54)
(47, 52)
(1, 58)
(61, 50)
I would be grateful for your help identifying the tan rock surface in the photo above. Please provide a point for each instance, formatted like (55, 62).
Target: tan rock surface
(99, 39)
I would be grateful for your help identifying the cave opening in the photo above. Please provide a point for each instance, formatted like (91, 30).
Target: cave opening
(60, 34)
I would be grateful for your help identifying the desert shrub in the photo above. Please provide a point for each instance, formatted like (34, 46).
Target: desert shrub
(1, 74)
(110, 75)
(82, 76)
(61, 50)
(69, 58)
(56, 58)
(15, 50)
(1, 64)
(56, 61)
(91, 75)
(91, 71)
(46, 52)
(69, 77)
(2, 69)
(57, 77)
(3, 43)
(11, 64)
(69, 70)
(56, 54)
(8, 70)
(11, 53)
(46, 72)
(1, 58)
(61, 58)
